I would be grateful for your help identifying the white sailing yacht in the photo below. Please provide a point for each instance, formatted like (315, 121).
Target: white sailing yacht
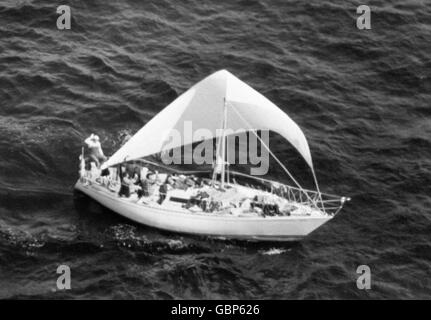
(222, 207)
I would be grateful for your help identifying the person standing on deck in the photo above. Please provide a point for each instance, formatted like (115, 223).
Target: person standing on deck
(164, 188)
(95, 149)
(126, 181)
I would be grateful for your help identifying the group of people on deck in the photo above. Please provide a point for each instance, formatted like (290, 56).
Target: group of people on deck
(139, 179)
(143, 182)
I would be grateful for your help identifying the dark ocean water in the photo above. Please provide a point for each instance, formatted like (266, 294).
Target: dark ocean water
(362, 98)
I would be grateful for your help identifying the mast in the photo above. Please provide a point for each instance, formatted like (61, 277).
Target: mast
(223, 143)
(221, 149)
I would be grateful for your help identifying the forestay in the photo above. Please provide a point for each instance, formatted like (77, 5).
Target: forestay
(202, 106)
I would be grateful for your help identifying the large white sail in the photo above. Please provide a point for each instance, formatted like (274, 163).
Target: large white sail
(202, 106)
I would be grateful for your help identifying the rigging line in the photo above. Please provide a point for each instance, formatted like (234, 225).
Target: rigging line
(274, 156)
(318, 189)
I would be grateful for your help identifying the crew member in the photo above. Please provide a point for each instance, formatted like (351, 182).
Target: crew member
(95, 150)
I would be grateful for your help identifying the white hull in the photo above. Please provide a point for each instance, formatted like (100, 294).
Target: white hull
(277, 228)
